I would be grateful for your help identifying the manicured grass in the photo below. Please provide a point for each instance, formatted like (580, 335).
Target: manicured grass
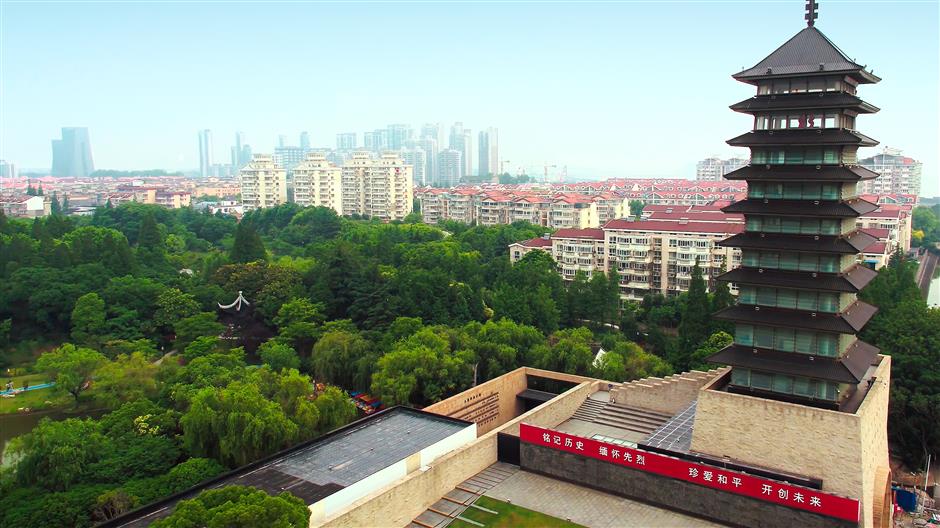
(34, 399)
(508, 516)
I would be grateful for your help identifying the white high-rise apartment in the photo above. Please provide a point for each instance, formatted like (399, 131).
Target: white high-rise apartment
(263, 183)
(317, 182)
(714, 169)
(205, 153)
(898, 174)
(346, 141)
(449, 168)
(461, 140)
(488, 147)
(377, 187)
(416, 157)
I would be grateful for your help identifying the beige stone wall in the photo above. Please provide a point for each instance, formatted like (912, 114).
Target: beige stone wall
(843, 449)
(666, 395)
(493, 403)
(489, 404)
(405, 499)
(874, 439)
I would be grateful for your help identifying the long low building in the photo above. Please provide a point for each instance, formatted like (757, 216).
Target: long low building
(651, 256)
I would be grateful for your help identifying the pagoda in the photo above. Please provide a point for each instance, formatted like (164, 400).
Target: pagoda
(797, 313)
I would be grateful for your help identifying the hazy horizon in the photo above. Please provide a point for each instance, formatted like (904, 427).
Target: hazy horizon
(609, 89)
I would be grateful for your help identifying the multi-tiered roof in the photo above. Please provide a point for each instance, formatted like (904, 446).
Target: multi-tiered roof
(797, 313)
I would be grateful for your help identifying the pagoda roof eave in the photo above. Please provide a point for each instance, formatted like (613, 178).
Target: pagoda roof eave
(852, 281)
(849, 368)
(850, 321)
(800, 101)
(802, 137)
(817, 208)
(813, 173)
(849, 244)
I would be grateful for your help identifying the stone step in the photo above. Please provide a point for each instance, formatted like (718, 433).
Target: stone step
(626, 413)
(625, 426)
(616, 408)
(626, 423)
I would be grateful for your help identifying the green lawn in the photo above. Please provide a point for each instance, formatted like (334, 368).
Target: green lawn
(35, 399)
(508, 516)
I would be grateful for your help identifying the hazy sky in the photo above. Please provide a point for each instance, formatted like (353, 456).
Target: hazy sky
(606, 88)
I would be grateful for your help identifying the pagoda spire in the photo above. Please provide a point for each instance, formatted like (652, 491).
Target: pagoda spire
(811, 14)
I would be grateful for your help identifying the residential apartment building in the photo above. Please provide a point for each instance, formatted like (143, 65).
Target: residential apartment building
(714, 169)
(288, 157)
(263, 183)
(346, 141)
(380, 187)
(572, 212)
(577, 250)
(488, 149)
(897, 174)
(317, 182)
(416, 158)
(449, 168)
(651, 256)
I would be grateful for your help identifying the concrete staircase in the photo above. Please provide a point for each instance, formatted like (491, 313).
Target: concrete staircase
(631, 418)
(668, 395)
(589, 410)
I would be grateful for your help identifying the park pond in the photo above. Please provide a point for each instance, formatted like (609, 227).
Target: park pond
(15, 424)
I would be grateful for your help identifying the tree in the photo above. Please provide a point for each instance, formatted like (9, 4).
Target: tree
(696, 319)
(88, 319)
(200, 325)
(172, 307)
(235, 425)
(57, 454)
(422, 369)
(636, 208)
(278, 356)
(110, 504)
(298, 322)
(337, 358)
(248, 246)
(238, 507)
(334, 409)
(202, 346)
(571, 352)
(127, 378)
(71, 367)
(711, 346)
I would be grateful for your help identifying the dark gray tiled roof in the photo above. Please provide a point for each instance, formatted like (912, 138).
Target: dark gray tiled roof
(855, 242)
(356, 453)
(820, 208)
(809, 51)
(800, 101)
(847, 369)
(801, 137)
(851, 282)
(814, 173)
(850, 321)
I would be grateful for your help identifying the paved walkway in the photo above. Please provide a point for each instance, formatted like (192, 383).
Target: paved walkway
(585, 506)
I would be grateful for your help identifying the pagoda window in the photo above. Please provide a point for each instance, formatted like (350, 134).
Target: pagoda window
(833, 84)
(741, 377)
(828, 263)
(761, 380)
(791, 261)
(783, 384)
(798, 85)
(830, 156)
(827, 345)
(802, 386)
(817, 84)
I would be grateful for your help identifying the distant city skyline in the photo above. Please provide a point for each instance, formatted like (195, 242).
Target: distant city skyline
(565, 84)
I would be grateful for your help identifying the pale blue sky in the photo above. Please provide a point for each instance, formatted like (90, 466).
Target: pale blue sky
(608, 88)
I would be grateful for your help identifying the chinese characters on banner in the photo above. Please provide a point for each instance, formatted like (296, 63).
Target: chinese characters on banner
(704, 475)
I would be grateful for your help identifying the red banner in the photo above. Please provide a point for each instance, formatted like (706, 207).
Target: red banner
(710, 476)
